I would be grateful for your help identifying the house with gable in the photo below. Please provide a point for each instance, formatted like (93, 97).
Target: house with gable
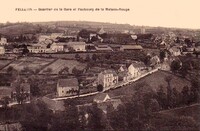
(2, 50)
(3, 41)
(175, 51)
(107, 78)
(57, 47)
(77, 46)
(123, 73)
(136, 68)
(104, 100)
(101, 97)
(67, 87)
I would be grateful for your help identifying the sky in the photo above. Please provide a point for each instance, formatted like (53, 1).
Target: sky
(165, 13)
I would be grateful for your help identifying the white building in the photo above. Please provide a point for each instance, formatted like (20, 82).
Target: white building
(77, 46)
(38, 48)
(57, 47)
(3, 41)
(2, 50)
(107, 78)
(67, 87)
(135, 69)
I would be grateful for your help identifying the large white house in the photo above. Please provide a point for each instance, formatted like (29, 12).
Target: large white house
(107, 78)
(136, 68)
(57, 47)
(38, 48)
(2, 50)
(77, 46)
(67, 87)
(3, 41)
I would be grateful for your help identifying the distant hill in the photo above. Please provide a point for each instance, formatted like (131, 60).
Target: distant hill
(13, 29)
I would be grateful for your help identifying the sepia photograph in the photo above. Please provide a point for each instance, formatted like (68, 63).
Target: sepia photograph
(99, 65)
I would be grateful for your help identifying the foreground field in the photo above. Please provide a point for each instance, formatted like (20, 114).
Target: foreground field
(151, 82)
(3, 63)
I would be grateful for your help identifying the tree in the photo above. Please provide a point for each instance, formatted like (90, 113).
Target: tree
(77, 56)
(5, 101)
(175, 66)
(25, 50)
(168, 79)
(76, 72)
(118, 118)
(66, 121)
(162, 55)
(162, 97)
(99, 87)
(185, 95)
(94, 57)
(96, 119)
(87, 59)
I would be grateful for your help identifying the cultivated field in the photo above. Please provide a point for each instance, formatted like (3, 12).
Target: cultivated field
(61, 64)
(32, 63)
(4, 63)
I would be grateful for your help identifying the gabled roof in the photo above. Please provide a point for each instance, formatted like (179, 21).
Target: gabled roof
(54, 105)
(71, 82)
(103, 48)
(109, 71)
(76, 43)
(131, 47)
(101, 97)
(138, 64)
(5, 91)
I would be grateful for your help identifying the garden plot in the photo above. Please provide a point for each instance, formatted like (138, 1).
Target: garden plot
(32, 63)
(61, 64)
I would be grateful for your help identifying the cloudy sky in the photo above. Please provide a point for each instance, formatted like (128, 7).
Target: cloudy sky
(167, 13)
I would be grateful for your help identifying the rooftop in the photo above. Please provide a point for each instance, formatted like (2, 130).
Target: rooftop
(71, 82)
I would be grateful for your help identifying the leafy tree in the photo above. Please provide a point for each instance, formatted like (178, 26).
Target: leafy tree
(162, 97)
(76, 72)
(175, 66)
(77, 56)
(96, 119)
(94, 57)
(99, 87)
(168, 79)
(118, 118)
(87, 59)
(185, 95)
(5, 101)
(66, 121)
(162, 55)
(25, 50)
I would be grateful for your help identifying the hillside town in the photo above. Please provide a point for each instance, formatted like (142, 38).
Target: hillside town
(77, 78)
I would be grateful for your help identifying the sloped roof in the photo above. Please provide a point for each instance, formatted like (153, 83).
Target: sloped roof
(5, 91)
(76, 43)
(103, 48)
(138, 64)
(131, 47)
(109, 71)
(54, 105)
(100, 96)
(71, 82)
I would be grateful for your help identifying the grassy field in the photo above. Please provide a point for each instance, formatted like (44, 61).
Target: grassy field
(4, 63)
(151, 82)
(60, 64)
(65, 55)
(192, 111)
(32, 63)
